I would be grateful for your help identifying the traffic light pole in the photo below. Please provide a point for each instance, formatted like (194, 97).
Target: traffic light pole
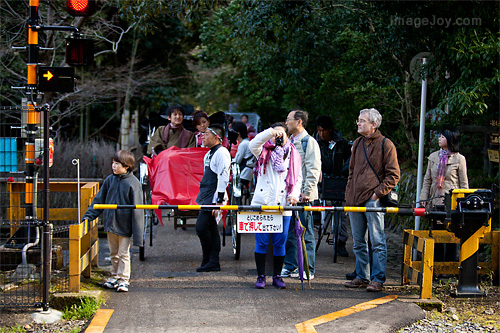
(32, 127)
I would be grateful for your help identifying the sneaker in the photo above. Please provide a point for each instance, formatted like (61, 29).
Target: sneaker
(296, 275)
(356, 283)
(122, 287)
(375, 286)
(111, 284)
(278, 282)
(261, 282)
(351, 276)
(288, 273)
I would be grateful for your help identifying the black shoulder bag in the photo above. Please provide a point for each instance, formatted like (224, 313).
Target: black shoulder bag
(391, 199)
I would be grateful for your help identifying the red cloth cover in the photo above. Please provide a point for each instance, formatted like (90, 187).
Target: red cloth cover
(175, 175)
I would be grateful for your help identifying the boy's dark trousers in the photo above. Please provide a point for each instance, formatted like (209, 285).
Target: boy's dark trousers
(207, 231)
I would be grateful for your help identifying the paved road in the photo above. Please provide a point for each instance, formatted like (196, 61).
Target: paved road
(167, 295)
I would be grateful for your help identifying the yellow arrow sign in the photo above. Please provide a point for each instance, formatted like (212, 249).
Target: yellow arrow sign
(49, 75)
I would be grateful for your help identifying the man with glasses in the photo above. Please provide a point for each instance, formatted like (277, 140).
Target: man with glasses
(310, 154)
(213, 185)
(373, 172)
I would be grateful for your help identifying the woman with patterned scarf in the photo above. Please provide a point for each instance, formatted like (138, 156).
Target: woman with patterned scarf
(279, 177)
(447, 169)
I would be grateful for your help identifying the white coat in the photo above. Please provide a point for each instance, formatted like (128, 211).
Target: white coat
(270, 189)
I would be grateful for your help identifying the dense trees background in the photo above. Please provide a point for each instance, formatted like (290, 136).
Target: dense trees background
(327, 57)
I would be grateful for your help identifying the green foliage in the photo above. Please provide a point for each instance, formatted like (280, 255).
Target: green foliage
(14, 329)
(85, 310)
(74, 330)
(336, 58)
(144, 12)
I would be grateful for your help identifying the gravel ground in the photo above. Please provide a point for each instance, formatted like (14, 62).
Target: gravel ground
(441, 325)
(62, 326)
(462, 315)
(21, 319)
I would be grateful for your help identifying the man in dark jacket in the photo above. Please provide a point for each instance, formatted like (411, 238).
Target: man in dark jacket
(120, 188)
(174, 134)
(335, 154)
(370, 162)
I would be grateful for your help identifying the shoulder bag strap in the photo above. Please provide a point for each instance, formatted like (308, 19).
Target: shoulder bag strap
(367, 160)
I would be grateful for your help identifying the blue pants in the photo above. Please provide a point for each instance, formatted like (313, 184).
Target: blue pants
(291, 243)
(279, 240)
(363, 224)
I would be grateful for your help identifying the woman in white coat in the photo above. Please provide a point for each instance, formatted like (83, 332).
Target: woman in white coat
(279, 178)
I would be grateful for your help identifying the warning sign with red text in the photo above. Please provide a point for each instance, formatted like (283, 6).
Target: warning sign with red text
(260, 222)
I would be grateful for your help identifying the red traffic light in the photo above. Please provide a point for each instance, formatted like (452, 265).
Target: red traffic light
(79, 51)
(80, 7)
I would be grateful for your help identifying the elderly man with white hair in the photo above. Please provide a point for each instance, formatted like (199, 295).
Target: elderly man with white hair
(373, 172)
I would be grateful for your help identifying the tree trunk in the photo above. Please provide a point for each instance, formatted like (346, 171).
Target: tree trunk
(125, 122)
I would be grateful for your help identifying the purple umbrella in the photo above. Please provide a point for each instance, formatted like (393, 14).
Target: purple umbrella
(301, 251)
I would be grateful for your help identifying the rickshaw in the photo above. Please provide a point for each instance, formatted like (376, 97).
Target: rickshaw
(173, 178)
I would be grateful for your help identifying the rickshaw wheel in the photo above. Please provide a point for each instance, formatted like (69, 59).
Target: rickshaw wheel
(236, 238)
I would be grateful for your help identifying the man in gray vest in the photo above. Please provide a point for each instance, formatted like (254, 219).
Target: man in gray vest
(213, 185)
(310, 154)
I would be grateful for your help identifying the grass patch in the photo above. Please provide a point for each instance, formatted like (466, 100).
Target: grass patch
(74, 330)
(13, 329)
(83, 311)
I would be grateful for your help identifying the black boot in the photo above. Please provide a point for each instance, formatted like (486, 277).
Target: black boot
(278, 265)
(205, 260)
(260, 263)
(212, 265)
(209, 267)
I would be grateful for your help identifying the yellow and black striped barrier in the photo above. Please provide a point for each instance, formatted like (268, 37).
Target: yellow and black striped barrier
(418, 272)
(387, 210)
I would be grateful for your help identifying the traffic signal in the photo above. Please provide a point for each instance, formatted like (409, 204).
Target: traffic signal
(79, 51)
(80, 7)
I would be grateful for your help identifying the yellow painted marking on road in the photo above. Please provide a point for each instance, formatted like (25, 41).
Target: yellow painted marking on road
(308, 326)
(101, 319)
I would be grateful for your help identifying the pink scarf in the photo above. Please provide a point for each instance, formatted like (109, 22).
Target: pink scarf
(184, 135)
(276, 155)
(441, 171)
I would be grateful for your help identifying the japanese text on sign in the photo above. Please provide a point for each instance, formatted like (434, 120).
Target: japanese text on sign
(259, 222)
